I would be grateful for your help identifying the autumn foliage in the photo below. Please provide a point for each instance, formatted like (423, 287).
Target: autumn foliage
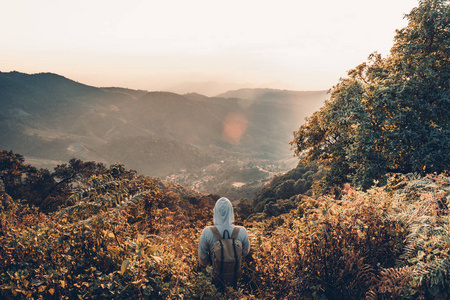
(125, 236)
(86, 231)
(391, 115)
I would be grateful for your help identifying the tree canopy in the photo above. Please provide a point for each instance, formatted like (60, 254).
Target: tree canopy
(391, 114)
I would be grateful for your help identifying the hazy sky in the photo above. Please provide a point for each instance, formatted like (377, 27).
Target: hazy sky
(146, 44)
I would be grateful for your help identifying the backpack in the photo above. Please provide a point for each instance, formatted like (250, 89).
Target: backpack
(227, 256)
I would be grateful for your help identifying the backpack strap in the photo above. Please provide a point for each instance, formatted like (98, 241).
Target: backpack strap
(235, 233)
(218, 237)
(216, 232)
(235, 258)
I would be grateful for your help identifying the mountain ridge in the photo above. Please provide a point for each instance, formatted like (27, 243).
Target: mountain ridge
(49, 116)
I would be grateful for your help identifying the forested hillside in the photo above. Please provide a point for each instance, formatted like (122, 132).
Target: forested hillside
(391, 114)
(87, 231)
(190, 139)
(364, 215)
(47, 116)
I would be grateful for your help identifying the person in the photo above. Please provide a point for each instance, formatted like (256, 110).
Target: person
(223, 220)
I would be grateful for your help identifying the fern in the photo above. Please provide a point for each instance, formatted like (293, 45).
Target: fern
(423, 212)
(106, 196)
(392, 284)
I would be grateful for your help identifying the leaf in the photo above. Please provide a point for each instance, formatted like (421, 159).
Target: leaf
(36, 282)
(124, 266)
(420, 255)
(157, 259)
(360, 234)
(447, 240)
(51, 291)
(147, 291)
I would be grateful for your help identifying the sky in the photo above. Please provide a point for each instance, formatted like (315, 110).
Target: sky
(156, 45)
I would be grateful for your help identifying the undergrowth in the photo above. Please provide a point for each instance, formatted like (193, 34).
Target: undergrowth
(124, 236)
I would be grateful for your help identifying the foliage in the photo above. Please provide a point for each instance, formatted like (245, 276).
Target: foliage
(126, 236)
(23, 181)
(387, 243)
(118, 239)
(391, 114)
(88, 232)
(329, 249)
(40, 187)
(77, 172)
(423, 211)
(281, 194)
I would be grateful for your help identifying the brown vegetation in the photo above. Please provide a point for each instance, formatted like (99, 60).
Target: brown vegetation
(123, 236)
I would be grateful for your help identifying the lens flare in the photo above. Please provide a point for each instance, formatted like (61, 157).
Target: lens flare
(235, 125)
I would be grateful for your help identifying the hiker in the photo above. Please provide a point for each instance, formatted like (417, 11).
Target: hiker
(223, 245)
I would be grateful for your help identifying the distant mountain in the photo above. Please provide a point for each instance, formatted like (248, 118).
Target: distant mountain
(127, 92)
(47, 116)
(277, 113)
(210, 88)
(265, 93)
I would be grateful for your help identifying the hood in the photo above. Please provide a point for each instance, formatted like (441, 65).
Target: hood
(223, 212)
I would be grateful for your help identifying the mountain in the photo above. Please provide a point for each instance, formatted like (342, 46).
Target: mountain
(209, 88)
(47, 116)
(276, 114)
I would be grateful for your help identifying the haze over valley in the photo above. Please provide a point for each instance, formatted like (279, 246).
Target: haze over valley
(124, 123)
(212, 144)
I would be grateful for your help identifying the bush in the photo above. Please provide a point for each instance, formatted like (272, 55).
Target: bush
(126, 237)
(326, 248)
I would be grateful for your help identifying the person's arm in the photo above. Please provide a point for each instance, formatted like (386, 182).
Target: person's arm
(203, 249)
(245, 242)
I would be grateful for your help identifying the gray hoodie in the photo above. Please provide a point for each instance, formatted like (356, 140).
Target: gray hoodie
(223, 220)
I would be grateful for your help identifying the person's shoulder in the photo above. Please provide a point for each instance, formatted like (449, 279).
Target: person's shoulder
(206, 229)
(242, 229)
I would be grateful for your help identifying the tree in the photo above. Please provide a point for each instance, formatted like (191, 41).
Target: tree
(13, 173)
(39, 187)
(25, 182)
(391, 114)
(76, 172)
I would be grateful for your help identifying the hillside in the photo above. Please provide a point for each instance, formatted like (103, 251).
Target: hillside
(91, 232)
(49, 117)
(364, 215)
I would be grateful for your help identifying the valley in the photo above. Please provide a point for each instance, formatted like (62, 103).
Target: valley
(231, 143)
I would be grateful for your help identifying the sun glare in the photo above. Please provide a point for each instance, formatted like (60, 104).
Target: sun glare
(235, 126)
